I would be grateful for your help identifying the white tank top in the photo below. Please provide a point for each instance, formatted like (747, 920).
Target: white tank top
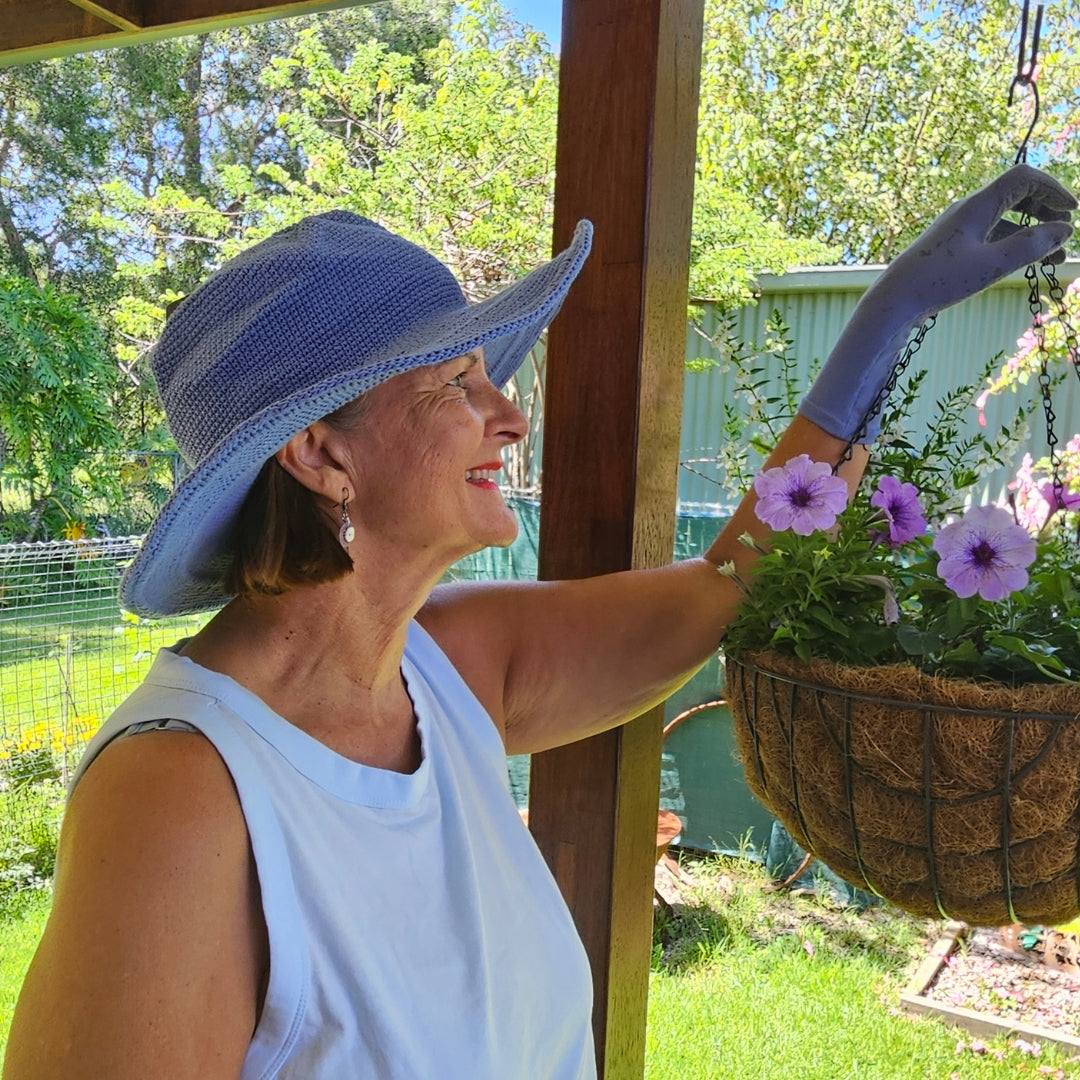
(415, 930)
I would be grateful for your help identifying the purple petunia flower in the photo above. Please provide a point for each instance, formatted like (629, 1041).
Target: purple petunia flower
(985, 552)
(801, 495)
(900, 505)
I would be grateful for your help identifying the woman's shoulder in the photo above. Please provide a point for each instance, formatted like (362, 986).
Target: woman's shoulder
(173, 768)
(465, 620)
(163, 801)
(155, 901)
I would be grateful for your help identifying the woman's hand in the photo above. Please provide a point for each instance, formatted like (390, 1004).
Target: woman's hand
(969, 247)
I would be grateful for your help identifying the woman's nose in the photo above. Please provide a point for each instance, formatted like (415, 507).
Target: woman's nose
(507, 420)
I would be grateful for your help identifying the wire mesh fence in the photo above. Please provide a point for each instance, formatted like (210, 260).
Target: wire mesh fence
(68, 654)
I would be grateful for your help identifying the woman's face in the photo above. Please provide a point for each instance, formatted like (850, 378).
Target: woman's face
(425, 458)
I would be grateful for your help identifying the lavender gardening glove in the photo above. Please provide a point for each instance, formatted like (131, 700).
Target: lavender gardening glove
(966, 249)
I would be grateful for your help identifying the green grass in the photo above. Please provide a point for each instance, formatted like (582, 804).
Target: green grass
(80, 679)
(19, 935)
(755, 987)
(769, 987)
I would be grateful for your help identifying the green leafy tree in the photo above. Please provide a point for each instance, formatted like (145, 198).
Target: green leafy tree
(87, 141)
(829, 131)
(55, 380)
(852, 122)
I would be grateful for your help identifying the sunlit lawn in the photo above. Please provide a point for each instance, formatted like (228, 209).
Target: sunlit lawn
(750, 986)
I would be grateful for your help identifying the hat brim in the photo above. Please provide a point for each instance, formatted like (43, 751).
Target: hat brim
(188, 549)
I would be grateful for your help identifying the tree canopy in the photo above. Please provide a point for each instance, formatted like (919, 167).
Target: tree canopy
(829, 131)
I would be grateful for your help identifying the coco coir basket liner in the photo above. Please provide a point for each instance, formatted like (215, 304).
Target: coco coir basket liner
(944, 796)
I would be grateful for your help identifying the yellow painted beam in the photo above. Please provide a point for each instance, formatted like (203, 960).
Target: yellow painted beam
(32, 30)
(123, 14)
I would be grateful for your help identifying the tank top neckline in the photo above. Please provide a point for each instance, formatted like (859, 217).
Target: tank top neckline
(341, 776)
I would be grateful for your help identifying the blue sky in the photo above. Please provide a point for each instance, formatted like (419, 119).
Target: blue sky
(545, 15)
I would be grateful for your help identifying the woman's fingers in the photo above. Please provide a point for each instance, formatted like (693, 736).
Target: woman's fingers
(1030, 244)
(1006, 228)
(1026, 190)
(1035, 208)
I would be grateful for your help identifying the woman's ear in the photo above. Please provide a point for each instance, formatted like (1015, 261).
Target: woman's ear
(318, 459)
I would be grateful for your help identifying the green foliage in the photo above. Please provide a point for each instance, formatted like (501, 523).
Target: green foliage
(816, 596)
(735, 239)
(1051, 344)
(793, 986)
(946, 464)
(851, 122)
(86, 141)
(20, 932)
(831, 594)
(55, 378)
(765, 399)
(29, 830)
(827, 131)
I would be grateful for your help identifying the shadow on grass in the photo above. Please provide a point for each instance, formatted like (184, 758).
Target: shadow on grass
(731, 908)
(691, 937)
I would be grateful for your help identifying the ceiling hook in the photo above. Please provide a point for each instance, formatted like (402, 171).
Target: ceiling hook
(1026, 64)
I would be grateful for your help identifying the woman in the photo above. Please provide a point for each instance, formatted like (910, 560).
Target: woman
(292, 852)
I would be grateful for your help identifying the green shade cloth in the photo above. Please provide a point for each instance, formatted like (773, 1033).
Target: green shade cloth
(701, 779)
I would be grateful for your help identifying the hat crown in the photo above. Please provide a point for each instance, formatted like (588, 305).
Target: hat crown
(321, 298)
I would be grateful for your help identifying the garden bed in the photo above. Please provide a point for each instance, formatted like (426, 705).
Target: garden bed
(973, 980)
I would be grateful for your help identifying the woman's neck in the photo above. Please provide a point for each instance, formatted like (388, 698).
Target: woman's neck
(328, 660)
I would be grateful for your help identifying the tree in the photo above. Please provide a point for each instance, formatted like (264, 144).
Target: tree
(84, 139)
(853, 121)
(55, 380)
(831, 129)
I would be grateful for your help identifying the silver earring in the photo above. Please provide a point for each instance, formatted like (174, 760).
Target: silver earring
(347, 533)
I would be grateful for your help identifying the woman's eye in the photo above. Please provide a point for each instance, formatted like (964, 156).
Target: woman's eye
(458, 381)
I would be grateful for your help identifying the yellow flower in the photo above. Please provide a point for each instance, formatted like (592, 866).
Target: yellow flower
(73, 529)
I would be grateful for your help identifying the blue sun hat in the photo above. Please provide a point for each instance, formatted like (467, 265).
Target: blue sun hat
(283, 335)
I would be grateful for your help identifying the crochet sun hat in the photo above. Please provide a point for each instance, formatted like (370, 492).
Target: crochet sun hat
(281, 336)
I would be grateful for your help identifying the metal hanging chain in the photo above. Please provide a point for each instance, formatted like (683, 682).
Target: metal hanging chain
(1057, 297)
(1026, 65)
(902, 361)
(1035, 306)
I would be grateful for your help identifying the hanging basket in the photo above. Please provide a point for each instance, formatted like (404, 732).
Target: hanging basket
(948, 798)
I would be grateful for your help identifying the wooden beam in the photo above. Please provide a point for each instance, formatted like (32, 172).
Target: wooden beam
(32, 30)
(180, 12)
(24, 27)
(628, 101)
(123, 14)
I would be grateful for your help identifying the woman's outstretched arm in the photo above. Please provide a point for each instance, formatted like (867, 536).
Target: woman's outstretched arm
(556, 661)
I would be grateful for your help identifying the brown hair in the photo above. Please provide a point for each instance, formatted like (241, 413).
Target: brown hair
(283, 539)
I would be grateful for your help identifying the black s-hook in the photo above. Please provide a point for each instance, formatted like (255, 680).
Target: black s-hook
(1025, 73)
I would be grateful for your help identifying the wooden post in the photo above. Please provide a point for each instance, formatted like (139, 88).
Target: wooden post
(627, 132)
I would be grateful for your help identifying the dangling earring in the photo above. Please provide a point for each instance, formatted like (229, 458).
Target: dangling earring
(347, 533)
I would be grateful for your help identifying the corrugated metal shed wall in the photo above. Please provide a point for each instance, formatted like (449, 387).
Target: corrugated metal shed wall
(815, 304)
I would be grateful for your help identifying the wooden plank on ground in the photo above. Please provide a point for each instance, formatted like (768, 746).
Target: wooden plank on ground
(627, 127)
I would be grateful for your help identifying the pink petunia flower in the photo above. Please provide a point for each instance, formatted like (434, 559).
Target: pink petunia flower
(985, 552)
(900, 505)
(1071, 499)
(1031, 508)
(801, 495)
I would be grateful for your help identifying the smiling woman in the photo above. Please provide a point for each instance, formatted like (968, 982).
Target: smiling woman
(296, 839)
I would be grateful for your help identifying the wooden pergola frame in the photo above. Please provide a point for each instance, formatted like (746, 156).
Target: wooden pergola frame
(626, 140)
